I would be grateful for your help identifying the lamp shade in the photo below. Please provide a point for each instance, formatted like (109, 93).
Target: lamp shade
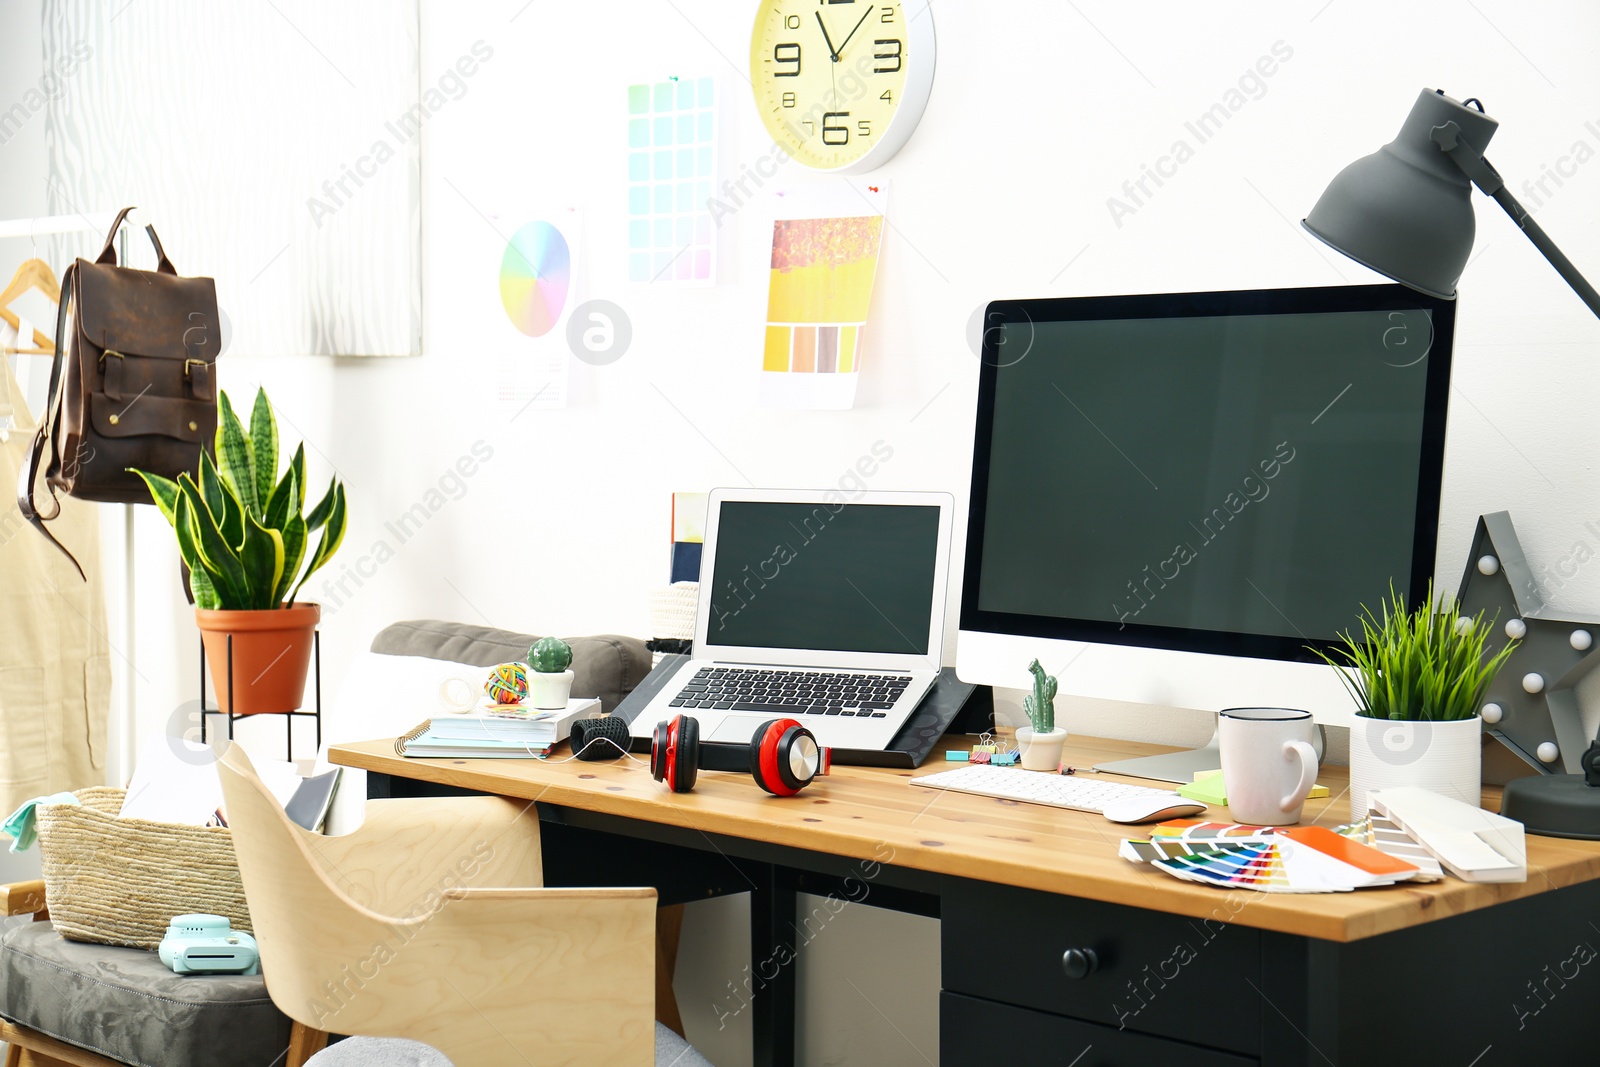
(1406, 210)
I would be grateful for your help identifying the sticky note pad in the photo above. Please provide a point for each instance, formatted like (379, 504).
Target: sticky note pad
(1207, 788)
(956, 756)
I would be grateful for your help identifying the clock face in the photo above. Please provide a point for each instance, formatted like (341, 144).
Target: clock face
(841, 83)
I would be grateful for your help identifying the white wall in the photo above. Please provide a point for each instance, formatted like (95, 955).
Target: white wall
(1040, 112)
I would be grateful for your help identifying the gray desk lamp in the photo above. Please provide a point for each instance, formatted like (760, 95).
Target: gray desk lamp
(1406, 211)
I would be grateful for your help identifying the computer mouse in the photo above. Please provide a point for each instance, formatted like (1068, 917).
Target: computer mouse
(1152, 808)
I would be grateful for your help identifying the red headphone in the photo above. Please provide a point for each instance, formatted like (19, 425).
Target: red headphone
(783, 756)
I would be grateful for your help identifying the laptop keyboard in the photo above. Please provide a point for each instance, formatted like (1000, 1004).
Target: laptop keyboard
(792, 692)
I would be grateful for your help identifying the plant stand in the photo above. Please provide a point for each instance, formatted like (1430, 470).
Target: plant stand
(289, 716)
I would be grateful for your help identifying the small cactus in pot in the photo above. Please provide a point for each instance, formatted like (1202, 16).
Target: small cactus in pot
(1040, 741)
(1041, 704)
(550, 676)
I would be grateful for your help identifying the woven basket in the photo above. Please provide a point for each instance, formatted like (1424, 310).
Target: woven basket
(120, 881)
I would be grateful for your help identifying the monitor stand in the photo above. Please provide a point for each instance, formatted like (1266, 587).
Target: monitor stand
(1181, 767)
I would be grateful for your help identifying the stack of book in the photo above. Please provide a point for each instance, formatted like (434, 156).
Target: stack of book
(508, 732)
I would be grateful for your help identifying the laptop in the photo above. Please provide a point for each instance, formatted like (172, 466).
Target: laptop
(817, 607)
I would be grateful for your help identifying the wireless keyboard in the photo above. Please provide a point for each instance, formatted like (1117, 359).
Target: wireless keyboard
(1033, 787)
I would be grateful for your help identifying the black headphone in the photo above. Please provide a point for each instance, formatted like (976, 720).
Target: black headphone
(782, 756)
(599, 739)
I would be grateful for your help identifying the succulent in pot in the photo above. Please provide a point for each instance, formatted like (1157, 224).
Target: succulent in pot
(1041, 741)
(549, 675)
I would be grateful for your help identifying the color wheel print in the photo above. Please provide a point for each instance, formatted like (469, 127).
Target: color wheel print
(533, 278)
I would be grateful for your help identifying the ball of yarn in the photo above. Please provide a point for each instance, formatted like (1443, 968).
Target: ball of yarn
(508, 683)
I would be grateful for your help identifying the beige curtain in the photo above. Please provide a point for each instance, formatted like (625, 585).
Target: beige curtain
(55, 667)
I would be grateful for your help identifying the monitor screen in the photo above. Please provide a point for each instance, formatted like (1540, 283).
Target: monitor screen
(833, 577)
(1233, 473)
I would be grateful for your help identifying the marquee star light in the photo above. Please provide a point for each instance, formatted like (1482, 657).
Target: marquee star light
(1530, 707)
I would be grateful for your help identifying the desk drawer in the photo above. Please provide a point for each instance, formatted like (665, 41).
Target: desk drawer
(1154, 973)
(981, 1033)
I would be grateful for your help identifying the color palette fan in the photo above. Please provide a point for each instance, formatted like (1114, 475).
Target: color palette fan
(535, 272)
(1302, 859)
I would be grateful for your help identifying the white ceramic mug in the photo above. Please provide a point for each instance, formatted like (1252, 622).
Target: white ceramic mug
(1268, 764)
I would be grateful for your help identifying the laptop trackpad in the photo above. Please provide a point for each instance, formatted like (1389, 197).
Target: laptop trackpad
(737, 728)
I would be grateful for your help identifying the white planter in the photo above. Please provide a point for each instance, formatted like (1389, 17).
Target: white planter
(549, 692)
(1442, 757)
(1041, 752)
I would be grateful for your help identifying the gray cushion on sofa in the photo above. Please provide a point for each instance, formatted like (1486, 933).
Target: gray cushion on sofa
(608, 666)
(123, 1003)
(671, 1051)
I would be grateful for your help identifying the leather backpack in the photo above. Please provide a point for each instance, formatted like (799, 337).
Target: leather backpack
(133, 383)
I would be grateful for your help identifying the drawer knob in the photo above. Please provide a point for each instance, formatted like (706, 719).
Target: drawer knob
(1079, 962)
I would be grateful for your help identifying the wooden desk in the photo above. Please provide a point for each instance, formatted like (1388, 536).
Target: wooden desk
(1418, 974)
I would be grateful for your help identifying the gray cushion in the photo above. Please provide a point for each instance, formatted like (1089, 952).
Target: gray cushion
(671, 1051)
(123, 1003)
(608, 666)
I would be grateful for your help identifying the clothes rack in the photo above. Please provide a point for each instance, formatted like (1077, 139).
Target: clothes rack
(120, 765)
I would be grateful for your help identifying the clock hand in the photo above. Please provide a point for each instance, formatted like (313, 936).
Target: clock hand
(832, 52)
(852, 33)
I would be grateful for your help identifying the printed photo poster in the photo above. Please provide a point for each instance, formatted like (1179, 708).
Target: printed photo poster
(673, 146)
(825, 245)
(539, 279)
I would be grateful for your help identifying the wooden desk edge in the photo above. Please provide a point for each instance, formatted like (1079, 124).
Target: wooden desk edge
(1329, 917)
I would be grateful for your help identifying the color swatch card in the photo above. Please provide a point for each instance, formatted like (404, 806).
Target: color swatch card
(1201, 830)
(673, 135)
(1297, 859)
(538, 281)
(1383, 835)
(825, 245)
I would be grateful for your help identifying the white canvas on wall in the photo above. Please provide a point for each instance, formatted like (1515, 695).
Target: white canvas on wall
(274, 147)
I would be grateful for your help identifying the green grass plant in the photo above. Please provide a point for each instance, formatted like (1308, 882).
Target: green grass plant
(1423, 664)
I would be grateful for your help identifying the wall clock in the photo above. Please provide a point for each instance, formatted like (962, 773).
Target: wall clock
(841, 84)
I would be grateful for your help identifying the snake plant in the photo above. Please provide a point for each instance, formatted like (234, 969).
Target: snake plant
(241, 528)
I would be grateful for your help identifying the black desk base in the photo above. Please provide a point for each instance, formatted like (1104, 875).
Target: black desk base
(1513, 984)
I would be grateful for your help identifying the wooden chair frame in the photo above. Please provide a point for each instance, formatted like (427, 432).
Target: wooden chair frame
(428, 923)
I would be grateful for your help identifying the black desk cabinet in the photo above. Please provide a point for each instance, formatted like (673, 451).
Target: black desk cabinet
(1152, 974)
(1518, 984)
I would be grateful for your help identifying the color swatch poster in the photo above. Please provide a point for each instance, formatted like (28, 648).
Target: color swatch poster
(825, 245)
(673, 133)
(538, 288)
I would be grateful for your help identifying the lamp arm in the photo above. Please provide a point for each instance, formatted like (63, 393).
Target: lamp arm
(1485, 177)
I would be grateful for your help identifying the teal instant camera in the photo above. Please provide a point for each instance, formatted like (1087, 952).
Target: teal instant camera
(206, 944)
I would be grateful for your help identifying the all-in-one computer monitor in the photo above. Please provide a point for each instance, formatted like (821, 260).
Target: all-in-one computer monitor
(1177, 498)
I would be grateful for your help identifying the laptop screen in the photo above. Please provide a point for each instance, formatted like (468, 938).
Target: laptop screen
(807, 576)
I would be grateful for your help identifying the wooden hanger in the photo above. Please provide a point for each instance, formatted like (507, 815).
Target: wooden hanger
(33, 274)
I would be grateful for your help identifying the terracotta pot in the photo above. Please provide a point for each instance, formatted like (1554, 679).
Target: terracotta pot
(271, 654)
